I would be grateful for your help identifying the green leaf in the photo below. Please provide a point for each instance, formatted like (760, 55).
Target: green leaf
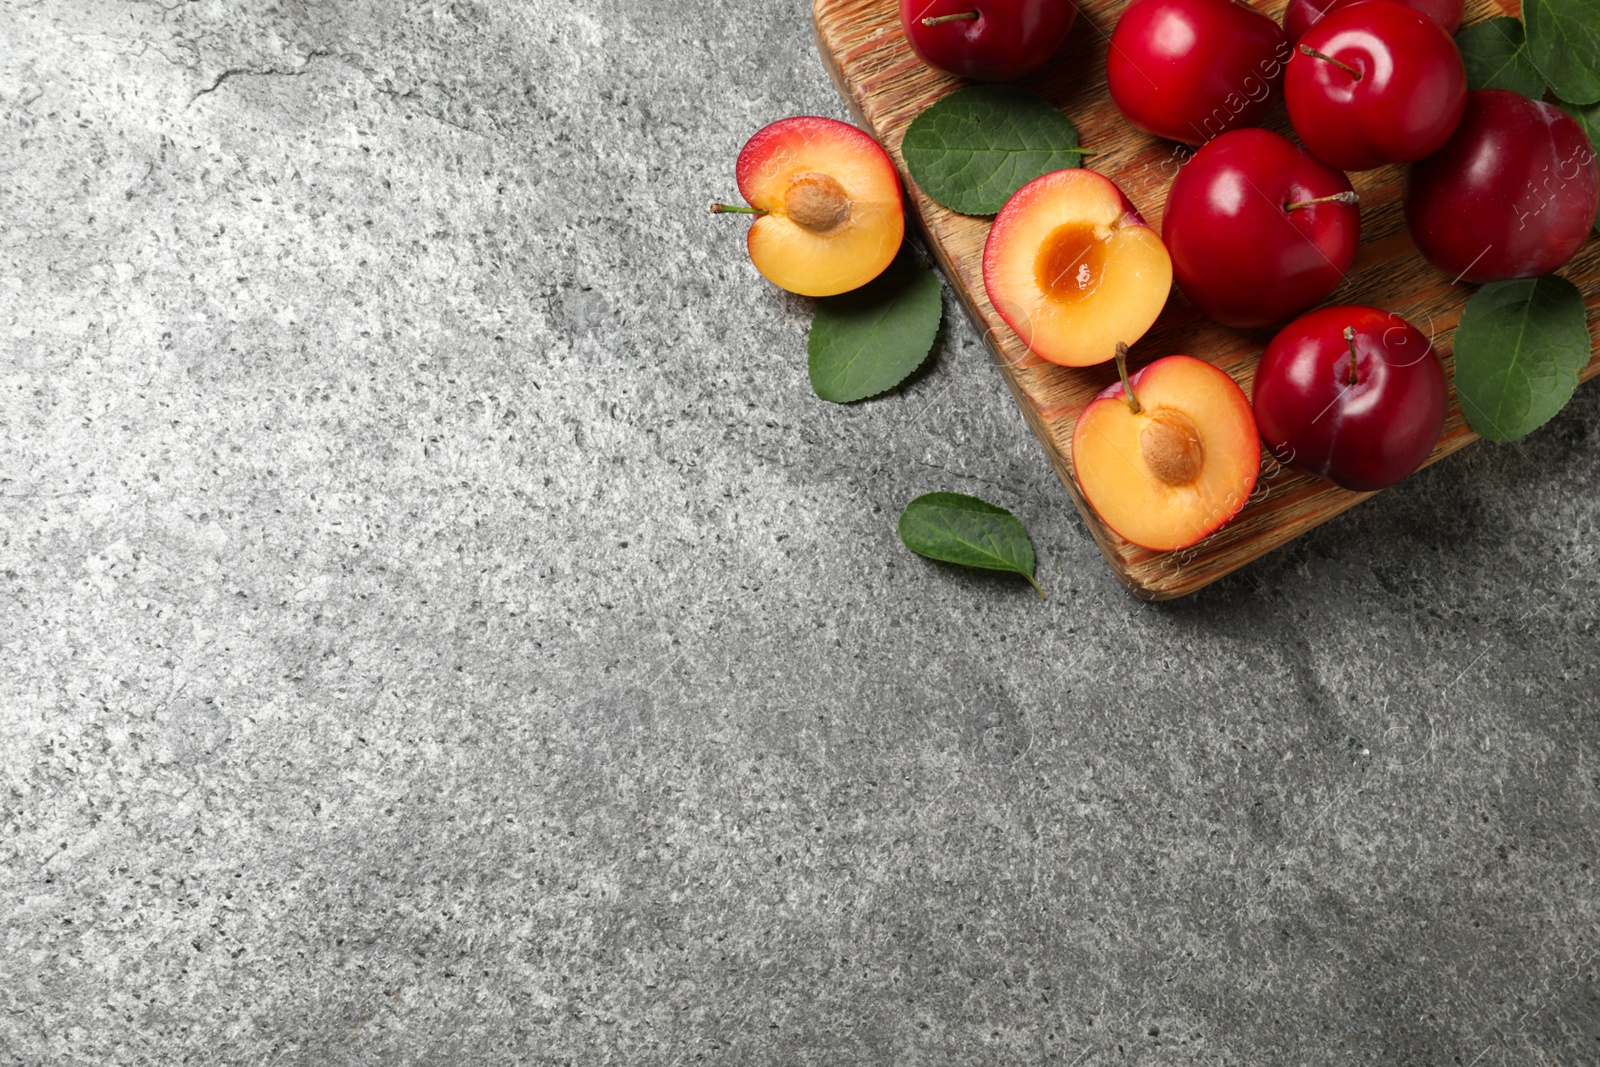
(867, 341)
(1519, 348)
(1564, 44)
(957, 528)
(975, 147)
(1496, 55)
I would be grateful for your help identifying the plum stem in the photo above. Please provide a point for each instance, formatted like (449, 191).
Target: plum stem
(729, 209)
(1347, 197)
(1122, 372)
(940, 20)
(1347, 68)
(1351, 378)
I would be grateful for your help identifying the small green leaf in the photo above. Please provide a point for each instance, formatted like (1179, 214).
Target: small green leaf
(957, 528)
(1564, 44)
(866, 342)
(1496, 55)
(975, 147)
(1519, 348)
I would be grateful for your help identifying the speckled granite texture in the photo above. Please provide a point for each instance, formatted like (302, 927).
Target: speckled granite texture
(441, 627)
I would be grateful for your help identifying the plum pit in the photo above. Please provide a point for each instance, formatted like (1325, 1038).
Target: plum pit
(1071, 262)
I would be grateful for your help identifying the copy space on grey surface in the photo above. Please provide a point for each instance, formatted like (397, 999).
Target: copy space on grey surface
(440, 626)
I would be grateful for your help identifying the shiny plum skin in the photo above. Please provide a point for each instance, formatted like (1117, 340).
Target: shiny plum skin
(1362, 436)
(1237, 254)
(1009, 39)
(1404, 105)
(1511, 195)
(1188, 70)
(1302, 14)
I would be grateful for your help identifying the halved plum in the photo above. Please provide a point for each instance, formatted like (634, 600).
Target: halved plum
(831, 214)
(1073, 269)
(1174, 465)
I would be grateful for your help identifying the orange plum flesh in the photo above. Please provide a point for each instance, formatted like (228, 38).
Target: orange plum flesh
(1073, 269)
(1169, 475)
(834, 217)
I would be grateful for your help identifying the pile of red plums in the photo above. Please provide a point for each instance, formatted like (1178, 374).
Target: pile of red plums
(1261, 230)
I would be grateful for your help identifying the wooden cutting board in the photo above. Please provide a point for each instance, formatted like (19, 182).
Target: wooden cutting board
(886, 86)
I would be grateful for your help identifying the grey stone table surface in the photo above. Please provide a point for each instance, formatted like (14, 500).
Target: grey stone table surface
(440, 626)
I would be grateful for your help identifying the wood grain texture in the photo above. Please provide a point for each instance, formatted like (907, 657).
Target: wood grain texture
(886, 86)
